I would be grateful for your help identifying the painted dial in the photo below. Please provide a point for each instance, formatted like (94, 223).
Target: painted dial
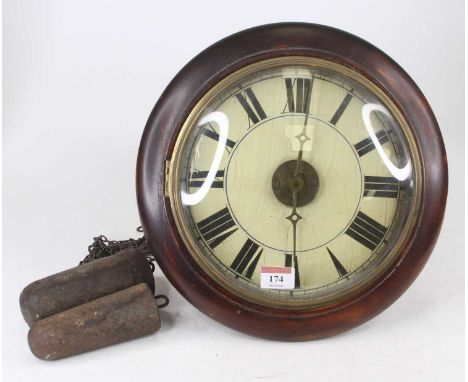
(293, 166)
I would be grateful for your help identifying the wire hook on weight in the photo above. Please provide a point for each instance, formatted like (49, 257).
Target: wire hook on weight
(164, 298)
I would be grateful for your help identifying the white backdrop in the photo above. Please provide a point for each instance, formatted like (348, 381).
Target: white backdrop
(80, 79)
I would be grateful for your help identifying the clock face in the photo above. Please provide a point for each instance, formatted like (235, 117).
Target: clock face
(293, 165)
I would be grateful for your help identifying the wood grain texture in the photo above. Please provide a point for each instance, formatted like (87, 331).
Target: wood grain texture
(157, 143)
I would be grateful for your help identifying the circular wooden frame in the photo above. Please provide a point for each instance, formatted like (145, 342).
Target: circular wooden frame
(172, 109)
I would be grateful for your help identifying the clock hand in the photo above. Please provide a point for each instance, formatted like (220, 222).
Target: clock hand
(303, 137)
(294, 218)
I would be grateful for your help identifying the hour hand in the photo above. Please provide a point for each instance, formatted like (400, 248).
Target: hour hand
(294, 217)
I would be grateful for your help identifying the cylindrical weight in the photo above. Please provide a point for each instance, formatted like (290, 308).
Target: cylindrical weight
(118, 317)
(84, 283)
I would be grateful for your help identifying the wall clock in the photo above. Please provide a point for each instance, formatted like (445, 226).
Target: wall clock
(291, 181)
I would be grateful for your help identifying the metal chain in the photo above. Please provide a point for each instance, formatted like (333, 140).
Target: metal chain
(103, 247)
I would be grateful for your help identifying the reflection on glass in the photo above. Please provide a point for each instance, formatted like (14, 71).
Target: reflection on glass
(223, 124)
(399, 173)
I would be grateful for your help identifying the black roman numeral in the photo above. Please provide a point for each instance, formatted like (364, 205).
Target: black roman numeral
(339, 267)
(216, 228)
(256, 114)
(366, 145)
(210, 133)
(247, 259)
(291, 261)
(380, 186)
(303, 91)
(339, 112)
(366, 231)
(197, 178)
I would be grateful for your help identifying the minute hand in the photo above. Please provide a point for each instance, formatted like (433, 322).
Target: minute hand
(303, 137)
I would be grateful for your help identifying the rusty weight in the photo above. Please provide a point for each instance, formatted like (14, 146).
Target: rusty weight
(118, 317)
(87, 282)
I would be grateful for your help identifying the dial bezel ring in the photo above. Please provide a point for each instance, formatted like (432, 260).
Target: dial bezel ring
(176, 169)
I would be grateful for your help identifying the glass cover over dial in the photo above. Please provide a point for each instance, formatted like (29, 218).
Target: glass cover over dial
(295, 163)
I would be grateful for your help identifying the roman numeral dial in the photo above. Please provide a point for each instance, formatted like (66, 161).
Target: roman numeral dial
(367, 145)
(197, 178)
(251, 105)
(366, 231)
(211, 133)
(298, 100)
(297, 140)
(341, 109)
(339, 267)
(217, 227)
(291, 262)
(380, 187)
(247, 259)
